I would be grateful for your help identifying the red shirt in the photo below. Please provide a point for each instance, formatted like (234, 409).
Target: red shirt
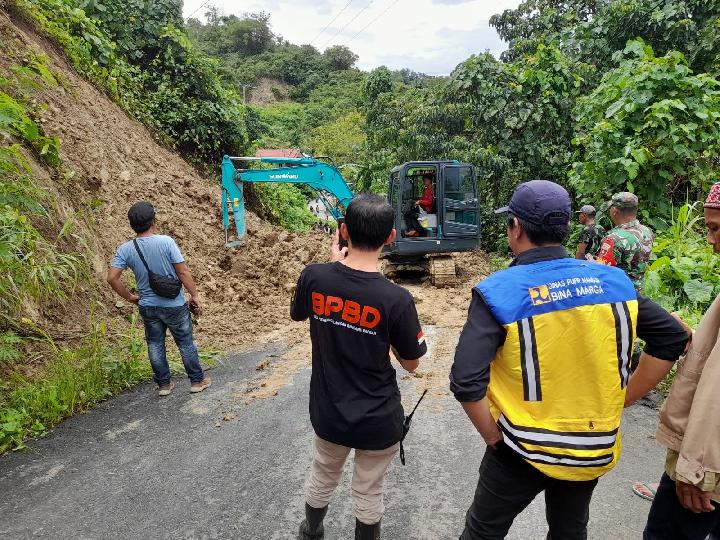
(427, 199)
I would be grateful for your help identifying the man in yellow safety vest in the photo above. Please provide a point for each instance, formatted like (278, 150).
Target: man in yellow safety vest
(542, 369)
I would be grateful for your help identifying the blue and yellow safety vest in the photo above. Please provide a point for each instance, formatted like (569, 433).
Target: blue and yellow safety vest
(557, 385)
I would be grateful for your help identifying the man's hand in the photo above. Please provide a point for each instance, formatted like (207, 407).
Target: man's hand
(693, 498)
(479, 414)
(336, 252)
(113, 279)
(688, 330)
(194, 304)
(493, 439)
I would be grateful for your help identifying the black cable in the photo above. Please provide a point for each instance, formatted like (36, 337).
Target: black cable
(348, 23)
(333, 20)
(371, 22)
(198, 9)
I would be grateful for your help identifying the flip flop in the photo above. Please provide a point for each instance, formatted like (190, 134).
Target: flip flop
(645, 490)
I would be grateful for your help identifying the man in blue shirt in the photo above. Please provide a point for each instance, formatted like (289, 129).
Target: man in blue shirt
(162, 257)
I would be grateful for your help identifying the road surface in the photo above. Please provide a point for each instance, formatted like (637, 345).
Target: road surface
(220, 465)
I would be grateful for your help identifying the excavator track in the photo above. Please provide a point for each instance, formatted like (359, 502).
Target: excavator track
(442, 271)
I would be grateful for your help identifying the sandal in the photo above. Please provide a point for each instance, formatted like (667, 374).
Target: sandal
(645, 490)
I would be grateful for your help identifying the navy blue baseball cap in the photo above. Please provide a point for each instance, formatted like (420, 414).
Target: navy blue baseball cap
(141, 214)
(539, 202)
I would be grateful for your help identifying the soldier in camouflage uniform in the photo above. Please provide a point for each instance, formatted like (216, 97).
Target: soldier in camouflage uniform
(629, 244)
(591, 236)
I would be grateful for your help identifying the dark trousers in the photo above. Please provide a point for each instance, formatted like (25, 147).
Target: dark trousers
(508, 484)
(176, 319)
(411, 216)
(668, 520)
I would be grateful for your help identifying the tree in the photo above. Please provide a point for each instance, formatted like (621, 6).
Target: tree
(523, 109)
(535, 22)
(341, 139)
(339, 58)
(651, 127)
(248, 36)
(298, 63)
(136, 25)
(591, 31)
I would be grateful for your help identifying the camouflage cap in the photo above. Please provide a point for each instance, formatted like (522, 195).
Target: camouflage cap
(623, 201)
(588, 209)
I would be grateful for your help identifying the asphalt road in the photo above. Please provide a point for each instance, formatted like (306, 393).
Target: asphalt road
(140, 467)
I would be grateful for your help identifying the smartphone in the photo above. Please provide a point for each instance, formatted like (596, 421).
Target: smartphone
(341, 241)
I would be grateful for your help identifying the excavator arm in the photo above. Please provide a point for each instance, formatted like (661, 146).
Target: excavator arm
(314, 173)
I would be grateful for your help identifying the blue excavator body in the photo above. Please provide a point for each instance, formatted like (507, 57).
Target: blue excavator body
(320, 176)
(425, 236)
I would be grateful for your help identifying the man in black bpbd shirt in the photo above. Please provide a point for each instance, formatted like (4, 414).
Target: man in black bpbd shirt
(356, 317)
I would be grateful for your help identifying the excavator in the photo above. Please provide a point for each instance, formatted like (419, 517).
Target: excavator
(451, 225)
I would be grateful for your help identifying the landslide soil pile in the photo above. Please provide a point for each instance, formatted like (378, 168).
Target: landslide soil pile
(246, 290)
(116, 161)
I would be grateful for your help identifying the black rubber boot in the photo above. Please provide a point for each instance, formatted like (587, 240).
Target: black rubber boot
(367, 532)
(312, 526)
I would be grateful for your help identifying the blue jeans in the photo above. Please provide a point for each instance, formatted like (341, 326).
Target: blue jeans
(177, 320)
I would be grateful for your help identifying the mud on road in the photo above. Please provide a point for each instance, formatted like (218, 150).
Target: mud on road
(442, 313)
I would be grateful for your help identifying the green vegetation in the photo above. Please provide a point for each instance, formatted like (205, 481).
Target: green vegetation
(284, 204)
(72, 380)
(139, 52)
(684, 275)
(43, 267)
(34, 265)
(651, 127)
(250, 51)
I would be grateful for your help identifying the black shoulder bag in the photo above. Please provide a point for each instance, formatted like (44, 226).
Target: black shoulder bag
(406, 427)
(165, 286)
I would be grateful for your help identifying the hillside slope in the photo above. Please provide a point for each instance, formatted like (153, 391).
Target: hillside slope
(116, 162)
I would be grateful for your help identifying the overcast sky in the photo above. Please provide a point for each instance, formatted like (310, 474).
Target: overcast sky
(430, 36)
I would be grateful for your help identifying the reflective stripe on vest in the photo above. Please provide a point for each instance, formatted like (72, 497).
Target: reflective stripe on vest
(557, 385)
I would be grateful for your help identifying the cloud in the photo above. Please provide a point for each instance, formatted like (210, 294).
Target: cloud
(451, 2)
(430, 36)
(451, 47)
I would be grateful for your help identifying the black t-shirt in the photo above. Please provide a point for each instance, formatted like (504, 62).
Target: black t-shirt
(355, 317)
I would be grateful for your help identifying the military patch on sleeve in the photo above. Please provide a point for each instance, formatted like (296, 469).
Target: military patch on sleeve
(606, 253)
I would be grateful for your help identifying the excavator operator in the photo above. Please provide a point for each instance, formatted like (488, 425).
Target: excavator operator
(428, 196)
(426, 203)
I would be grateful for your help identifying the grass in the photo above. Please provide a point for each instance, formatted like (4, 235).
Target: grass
(74, 380)
(498, 262)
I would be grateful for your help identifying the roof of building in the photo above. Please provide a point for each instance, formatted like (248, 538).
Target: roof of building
(278, 152)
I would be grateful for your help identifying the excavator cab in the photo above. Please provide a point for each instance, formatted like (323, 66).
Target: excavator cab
(418, 203)
(446, 222)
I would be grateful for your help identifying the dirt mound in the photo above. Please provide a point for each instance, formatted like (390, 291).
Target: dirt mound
(115, 162)
(268, 92)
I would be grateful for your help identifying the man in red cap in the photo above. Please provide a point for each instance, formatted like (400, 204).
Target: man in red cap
(687, 502)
